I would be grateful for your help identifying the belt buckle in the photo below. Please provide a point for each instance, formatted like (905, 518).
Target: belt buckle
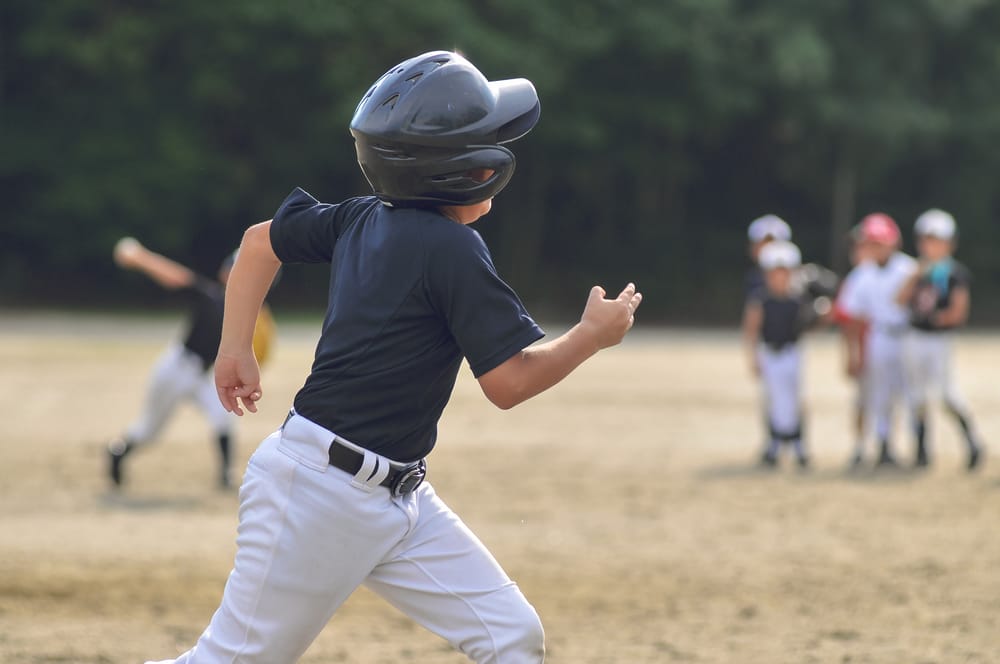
(408, 480)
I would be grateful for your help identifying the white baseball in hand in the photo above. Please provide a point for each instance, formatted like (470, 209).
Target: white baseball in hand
(126, 249)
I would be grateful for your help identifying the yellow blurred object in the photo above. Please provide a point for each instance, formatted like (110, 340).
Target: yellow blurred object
(263, 335)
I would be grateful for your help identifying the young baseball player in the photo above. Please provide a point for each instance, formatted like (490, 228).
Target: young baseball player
(775, 318)
(859, 254)
(938, 299)
(183, 372)
(760, 232)
(872, 302)
(335, 498)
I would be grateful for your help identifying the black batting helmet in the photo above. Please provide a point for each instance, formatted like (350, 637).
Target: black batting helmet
(429, 121)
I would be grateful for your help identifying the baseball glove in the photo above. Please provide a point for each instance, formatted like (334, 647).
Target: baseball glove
(263, 335)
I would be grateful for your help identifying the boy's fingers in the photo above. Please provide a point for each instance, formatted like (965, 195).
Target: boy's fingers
(597, 293)
(635, 301)
(247, 396)
(224, 398)
(627, 292)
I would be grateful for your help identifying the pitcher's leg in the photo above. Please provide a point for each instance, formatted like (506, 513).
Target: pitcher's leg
(445, 579)
(222, 422)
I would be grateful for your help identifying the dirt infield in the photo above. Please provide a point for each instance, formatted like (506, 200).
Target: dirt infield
(625, 503)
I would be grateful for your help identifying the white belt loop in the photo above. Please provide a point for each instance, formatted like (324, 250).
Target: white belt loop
(373, 470)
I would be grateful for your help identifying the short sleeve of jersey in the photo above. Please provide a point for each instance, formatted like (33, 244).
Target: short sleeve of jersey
(960, 276)
(850, 299)
(305, 231)
(484, 315)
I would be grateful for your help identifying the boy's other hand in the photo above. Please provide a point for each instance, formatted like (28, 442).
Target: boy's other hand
(609, 320)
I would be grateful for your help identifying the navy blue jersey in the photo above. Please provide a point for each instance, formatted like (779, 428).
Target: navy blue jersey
(204, 325)
(933, 292)
(411, 293)
(753, 283)
(783, 322)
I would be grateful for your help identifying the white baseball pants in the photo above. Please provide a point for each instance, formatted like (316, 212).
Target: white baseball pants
(927, 358)
(781, 373)
(884, 377)
(178, 375)
(310, 534)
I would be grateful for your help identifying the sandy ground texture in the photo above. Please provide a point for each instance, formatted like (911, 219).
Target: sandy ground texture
(625, 502)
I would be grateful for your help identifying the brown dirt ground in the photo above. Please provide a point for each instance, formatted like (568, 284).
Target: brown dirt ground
(624, 502)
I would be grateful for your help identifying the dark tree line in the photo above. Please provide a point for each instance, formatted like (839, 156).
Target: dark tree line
(666, 127)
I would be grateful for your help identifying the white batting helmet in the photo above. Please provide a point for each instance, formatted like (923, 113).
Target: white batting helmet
(936, 223)
(779, 254)
(769, 226)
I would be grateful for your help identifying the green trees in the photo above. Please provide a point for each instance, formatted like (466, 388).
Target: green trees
(666, 127)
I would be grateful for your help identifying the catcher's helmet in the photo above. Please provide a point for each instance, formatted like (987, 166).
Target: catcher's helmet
(429, 121)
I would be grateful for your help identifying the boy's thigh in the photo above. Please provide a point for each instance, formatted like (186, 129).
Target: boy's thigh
(444, 578)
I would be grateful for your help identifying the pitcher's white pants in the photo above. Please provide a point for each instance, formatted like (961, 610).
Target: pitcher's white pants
(178, 375)
(309, 534)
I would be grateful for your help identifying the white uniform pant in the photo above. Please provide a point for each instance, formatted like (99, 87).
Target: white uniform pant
(178, 375)
(310, 534)
(927, 358)
(884, 379)
(781, 378)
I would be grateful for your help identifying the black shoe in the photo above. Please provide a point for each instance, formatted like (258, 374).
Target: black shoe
(116, 453)
(803, 463)
(975, 457)
(886, 460)
(922, 460)
(856, 462)
(768, 460)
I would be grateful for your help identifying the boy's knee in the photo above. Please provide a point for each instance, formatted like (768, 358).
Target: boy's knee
(518, 638)
(528, 640)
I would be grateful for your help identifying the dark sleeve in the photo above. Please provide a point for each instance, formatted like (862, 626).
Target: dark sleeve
(484, 315)
(201, 290)
(753, 283)
(960, 277)
(304, 230)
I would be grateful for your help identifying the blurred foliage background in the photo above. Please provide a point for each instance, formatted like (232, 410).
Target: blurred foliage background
(667, 125)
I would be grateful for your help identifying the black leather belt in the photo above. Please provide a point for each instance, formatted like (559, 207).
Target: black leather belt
(399, 481)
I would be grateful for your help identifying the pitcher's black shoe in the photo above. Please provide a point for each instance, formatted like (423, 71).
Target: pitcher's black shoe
(975, 457)
(116, 453)
(886, 460)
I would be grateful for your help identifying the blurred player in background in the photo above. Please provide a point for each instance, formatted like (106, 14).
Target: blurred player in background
(938, 299)
(872, 301)
(184, 371)
(775, 317)
(859, 254)
(761, 231)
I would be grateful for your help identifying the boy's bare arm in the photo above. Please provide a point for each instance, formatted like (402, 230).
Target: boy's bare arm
(535, 369)
(753, 318)
(957, 312)
(853, 329)
(237, 375)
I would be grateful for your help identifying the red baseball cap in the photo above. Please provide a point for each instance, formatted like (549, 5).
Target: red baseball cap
(878, 228)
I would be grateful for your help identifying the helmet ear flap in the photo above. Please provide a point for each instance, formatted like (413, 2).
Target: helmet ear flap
(438, 177)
